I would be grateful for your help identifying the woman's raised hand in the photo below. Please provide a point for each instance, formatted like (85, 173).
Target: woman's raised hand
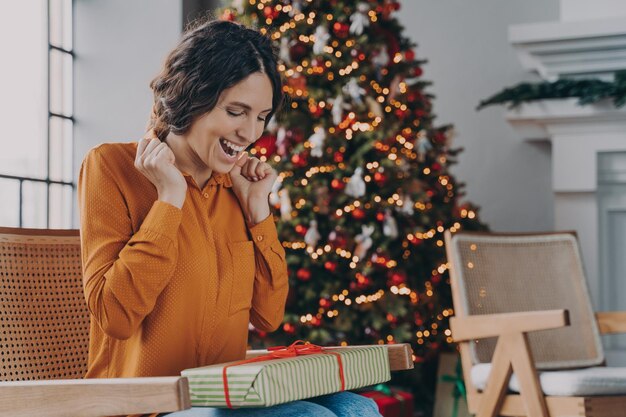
(252, 183)
(155, 160)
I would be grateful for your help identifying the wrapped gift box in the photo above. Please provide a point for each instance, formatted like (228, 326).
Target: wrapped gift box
(276, 381)
(392, 402)
(450, 394)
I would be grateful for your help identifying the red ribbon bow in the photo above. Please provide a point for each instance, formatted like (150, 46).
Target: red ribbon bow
(280, 352)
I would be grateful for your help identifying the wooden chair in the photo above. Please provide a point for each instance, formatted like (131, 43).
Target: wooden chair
(44, 338)
(522, 305)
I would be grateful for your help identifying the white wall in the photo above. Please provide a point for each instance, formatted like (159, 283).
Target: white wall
(120, 47)
(470, 59)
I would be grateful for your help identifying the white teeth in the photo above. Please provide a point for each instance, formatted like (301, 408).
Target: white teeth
(236, 148)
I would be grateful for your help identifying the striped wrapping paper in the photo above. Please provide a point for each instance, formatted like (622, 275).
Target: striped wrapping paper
(277, 381)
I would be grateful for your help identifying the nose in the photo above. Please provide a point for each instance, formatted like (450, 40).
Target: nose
(249, 130)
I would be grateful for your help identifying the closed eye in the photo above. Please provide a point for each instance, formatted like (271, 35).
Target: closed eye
(234, 114)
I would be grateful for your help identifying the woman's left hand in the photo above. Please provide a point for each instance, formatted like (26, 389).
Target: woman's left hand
(252, 183)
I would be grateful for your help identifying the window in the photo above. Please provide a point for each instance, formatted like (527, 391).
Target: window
(36, 114)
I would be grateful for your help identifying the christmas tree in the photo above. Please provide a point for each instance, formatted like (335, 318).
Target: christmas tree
(364, 192)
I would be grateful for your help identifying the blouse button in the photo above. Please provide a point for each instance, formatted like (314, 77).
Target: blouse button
(259, 238)
(205, 195)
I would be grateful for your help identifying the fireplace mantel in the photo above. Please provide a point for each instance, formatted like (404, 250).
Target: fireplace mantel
(594, 48)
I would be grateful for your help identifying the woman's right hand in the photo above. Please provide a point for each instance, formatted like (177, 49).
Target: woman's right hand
(155, 160)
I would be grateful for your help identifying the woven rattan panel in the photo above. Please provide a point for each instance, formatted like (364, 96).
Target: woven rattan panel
(501, 274)
(44, 321)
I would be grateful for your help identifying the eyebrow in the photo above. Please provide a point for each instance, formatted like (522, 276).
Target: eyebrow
(245, 106)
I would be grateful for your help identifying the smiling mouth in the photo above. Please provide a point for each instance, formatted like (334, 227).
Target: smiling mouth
(230, 148)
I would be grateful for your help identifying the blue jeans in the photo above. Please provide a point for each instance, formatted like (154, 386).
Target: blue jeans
(342, 404)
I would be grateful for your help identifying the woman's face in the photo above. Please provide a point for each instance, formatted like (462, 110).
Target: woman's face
(219, 136)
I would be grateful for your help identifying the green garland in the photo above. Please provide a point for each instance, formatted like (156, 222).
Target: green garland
(588, 91)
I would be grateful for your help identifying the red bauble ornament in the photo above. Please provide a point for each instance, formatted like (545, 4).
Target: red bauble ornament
(417, 72)
(391, 318)
(358, 214)
(397, 277)
(400, 114)
(297, 82)
(298, 51)
(294, 136)
(289, 328)
(324, 302)
(436, 166)
(380, 178)
(338, 157)
(330, 265)
(337, 239)
(270, 12)
(228, 15)
(409, 55)
(261, 333)
(416, 241)
(303, 274)
(440, 137)
(436, 279)
(380, 216)
(266, 145)
(316, 322)
(298, 160)
(341, 29)
(337, 184)
(362, 280)
(301, 230)
(316, 111)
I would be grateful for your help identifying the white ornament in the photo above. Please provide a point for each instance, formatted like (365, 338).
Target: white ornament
(281, 141)
(423, 146)
(274, 193)
(390, 226)
(337, 110)
(238, 5)
(394, 86)
(354, 90)
(296, 7)
(321, 39)
(283, 54)
(374, 106)
(356, 186)
(272, 125)
(363, 241)
(312, 235)
(359, 19)
(285, 204)
(407, 206)
(381, 59)
(317, 142)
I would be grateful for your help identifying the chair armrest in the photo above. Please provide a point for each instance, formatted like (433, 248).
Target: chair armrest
(93, 397)
(611, 322)
(493, 325)
(400, 355)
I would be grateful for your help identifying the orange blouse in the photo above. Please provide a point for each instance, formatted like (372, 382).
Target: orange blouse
(168, 288)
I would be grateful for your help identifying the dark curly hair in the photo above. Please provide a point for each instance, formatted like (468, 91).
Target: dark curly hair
(211, 57)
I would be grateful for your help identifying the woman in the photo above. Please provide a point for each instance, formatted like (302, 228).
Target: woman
(180, 251)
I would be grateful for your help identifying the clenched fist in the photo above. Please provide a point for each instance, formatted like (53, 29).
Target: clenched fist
(155, 160)
(252, 182)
